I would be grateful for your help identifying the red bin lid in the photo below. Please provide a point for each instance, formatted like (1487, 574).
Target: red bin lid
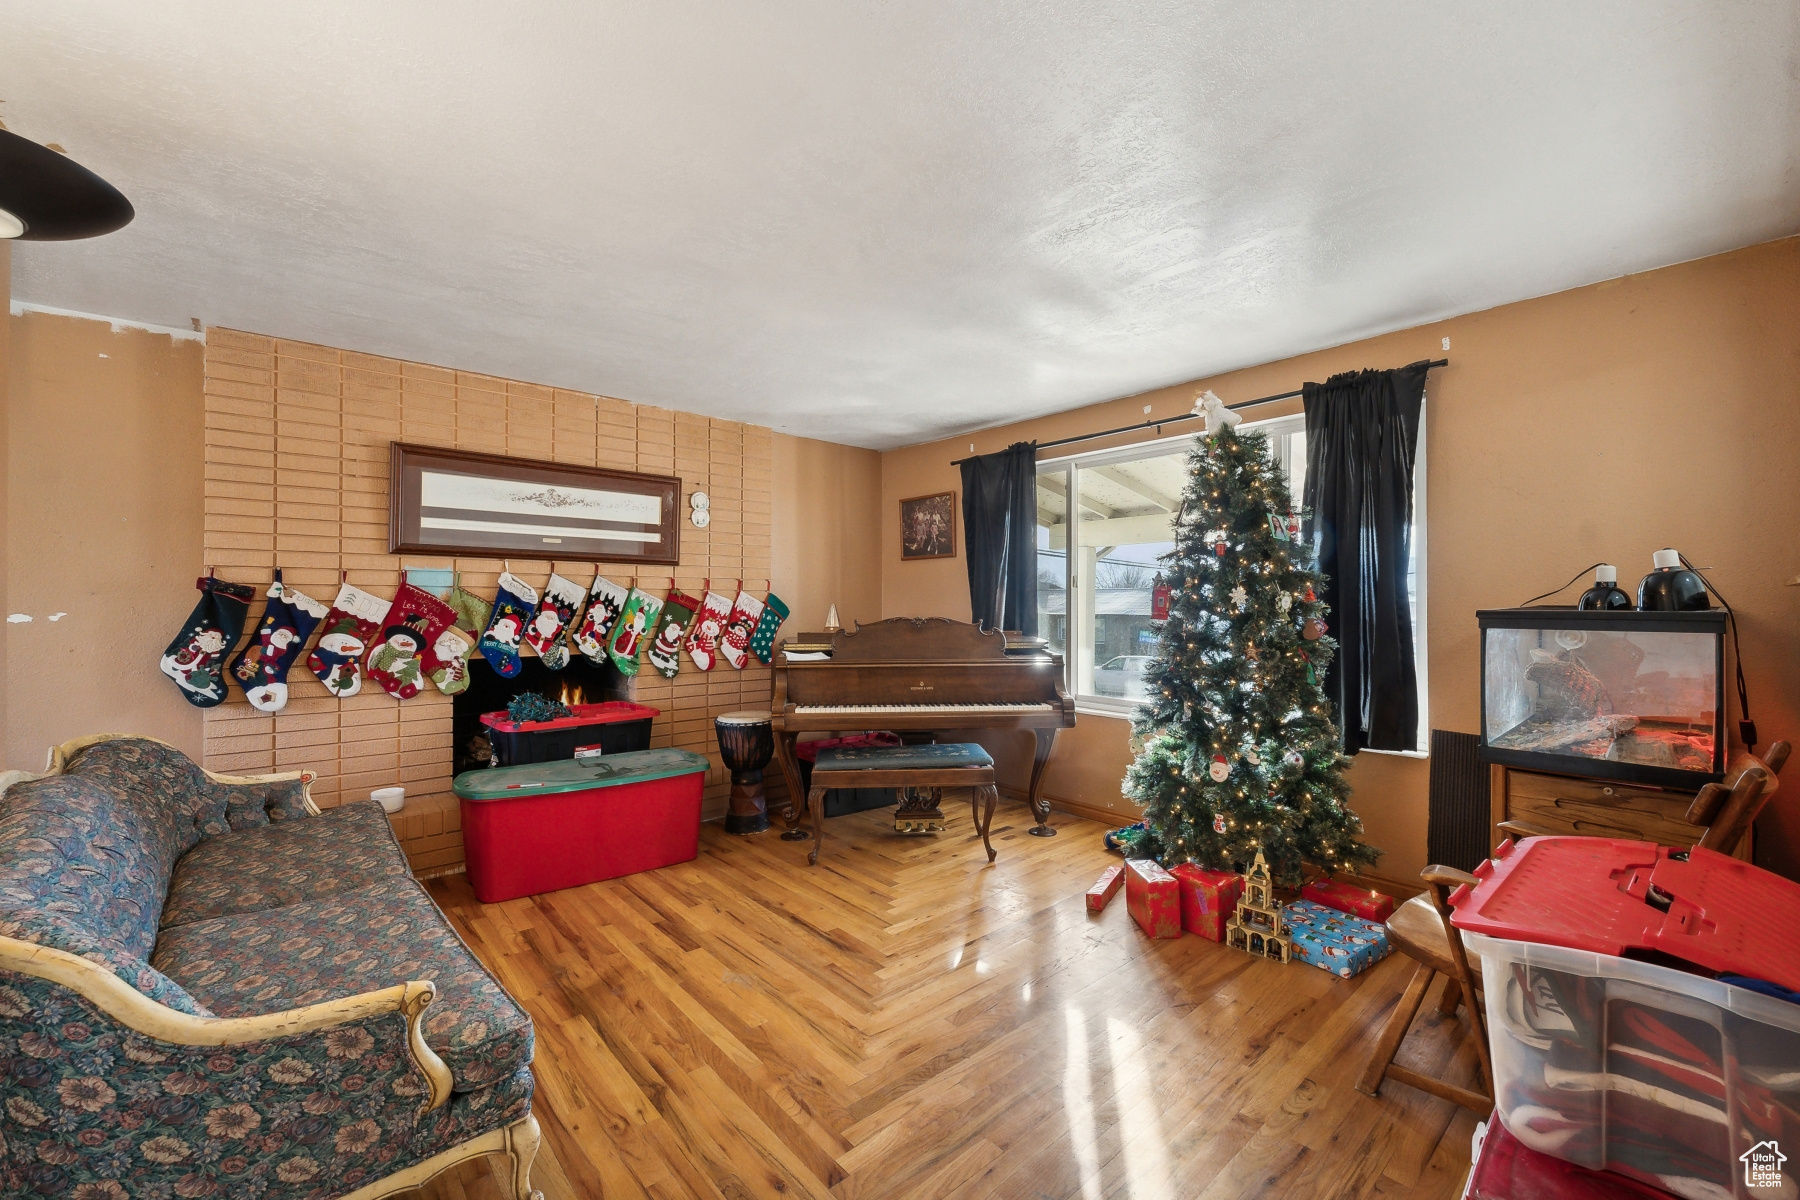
(1611, 896)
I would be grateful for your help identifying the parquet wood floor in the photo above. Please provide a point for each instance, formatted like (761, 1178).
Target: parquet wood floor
(905, 1021)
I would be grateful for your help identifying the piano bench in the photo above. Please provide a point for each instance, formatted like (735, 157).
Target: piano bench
(921, 771)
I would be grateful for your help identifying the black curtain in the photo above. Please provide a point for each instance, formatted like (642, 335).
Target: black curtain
(1000, 533)
(1362, 429)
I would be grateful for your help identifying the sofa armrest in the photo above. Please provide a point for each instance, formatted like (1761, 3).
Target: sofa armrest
(130, 1008)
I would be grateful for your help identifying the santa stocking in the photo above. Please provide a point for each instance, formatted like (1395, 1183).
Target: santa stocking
(632, 630)
(709, 628)
(677, 614)
(195, 660)
(561, 598)
(606, 600)
(397, 661)
(262, 666)
(746, 611)
(513, 607)
(448, 662)
(763, 640)
(337, 660)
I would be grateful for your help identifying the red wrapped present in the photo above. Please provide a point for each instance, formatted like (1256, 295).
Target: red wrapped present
(1154, 898)
(1106, 888)
(1207, 899)
(1366, 903)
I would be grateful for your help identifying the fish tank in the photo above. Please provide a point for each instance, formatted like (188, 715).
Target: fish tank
(1627, 695)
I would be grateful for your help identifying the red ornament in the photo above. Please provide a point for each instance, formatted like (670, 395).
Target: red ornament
(1309, 594)
(1218, 822)
(1159, 602)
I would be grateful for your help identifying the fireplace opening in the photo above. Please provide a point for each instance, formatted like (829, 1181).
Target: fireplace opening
(581, 682)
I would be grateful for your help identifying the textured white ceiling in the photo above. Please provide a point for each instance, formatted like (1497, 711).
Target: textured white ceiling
(878, 223)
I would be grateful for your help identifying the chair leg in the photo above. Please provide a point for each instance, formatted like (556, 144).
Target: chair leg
(992, 792)
(1451, 998)
(1394, 1032)
(815, 803)
(522, 1141)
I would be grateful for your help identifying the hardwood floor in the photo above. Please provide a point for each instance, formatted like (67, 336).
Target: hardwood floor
(904, 1020)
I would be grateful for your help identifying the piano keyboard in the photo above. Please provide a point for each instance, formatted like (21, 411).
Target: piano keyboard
(916, 710)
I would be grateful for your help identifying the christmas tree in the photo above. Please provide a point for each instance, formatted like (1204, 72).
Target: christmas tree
(1239, 749)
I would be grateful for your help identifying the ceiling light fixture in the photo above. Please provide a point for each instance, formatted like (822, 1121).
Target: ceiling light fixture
(49, 197)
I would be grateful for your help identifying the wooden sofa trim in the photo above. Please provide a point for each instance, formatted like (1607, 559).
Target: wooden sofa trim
(131, 1008)
(61, 755)
(518, 1141)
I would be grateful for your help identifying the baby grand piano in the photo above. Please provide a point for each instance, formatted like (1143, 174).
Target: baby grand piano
(916, 676)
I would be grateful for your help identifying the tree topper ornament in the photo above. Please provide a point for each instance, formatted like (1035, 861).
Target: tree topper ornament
(1213, 409)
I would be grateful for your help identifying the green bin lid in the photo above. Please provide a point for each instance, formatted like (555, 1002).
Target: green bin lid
(577, 774)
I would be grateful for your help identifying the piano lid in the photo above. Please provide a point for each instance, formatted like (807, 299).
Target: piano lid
(918, 639)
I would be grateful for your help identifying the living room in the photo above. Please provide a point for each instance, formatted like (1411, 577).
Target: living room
(799, 285)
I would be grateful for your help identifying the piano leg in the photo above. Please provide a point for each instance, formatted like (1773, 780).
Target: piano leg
(795, 811)
(1040, 808)
(815, 803)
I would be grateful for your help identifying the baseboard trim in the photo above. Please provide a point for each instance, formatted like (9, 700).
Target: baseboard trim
(1075, 808)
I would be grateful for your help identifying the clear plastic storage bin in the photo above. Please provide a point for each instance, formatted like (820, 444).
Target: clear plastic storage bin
(1620, 1065)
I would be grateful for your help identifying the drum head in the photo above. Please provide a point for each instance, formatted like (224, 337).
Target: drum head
(747, 717)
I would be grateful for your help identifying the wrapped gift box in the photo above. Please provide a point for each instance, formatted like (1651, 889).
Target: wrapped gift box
(1105, 888)
(1154, 898)
(1207, 899)
(1335, 941)
(1366, 903)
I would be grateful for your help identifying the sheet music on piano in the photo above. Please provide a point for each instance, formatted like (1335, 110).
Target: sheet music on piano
(918, 676)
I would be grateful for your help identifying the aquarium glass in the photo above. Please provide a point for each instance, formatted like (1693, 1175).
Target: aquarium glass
(1647, 699)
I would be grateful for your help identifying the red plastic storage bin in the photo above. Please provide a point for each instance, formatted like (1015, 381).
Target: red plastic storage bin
(615, 726)
(546, 826)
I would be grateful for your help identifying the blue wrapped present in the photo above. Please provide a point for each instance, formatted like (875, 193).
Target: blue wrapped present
(1335, 941)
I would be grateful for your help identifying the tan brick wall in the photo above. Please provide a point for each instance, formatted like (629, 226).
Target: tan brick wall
(297, 443)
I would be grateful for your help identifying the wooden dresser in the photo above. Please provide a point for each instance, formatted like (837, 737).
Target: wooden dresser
(1596, 807)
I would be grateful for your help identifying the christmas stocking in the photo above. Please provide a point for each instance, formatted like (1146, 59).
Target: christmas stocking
(763, 640)
(561, 598)
(397, 661)
(337, 660)
(746, 611)
(262, 666)
(677, 615)
(709, 628)
(513, 607)
(195, 660)
(606, 600)
(472, 612)
(630, 632)
(448, 662)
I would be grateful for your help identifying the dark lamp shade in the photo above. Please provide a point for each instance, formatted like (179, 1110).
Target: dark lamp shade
(51, 197)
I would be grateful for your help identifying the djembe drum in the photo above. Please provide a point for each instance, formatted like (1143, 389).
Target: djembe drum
(746, 743)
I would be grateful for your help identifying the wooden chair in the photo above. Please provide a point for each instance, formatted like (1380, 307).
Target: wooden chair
(1421, 930)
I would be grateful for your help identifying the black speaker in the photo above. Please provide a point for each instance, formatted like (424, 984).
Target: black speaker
(1457, 828)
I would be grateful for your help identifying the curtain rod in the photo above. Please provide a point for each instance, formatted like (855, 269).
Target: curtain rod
(1158, 424)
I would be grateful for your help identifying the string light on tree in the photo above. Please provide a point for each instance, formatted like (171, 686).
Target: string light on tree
(1238, 749)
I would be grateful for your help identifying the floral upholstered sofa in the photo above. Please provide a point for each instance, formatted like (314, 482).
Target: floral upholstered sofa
(210, 988)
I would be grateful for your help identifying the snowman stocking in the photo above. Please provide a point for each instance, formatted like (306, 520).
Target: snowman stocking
(561, 598)
(709, 629)
(606, 600)
(746, 611)
(337, 660)
(397, 661)
(762, 642)
(195, 660)
(513, 607)
(677, 615)
(631, 631)
(262, 666)
(448, 662)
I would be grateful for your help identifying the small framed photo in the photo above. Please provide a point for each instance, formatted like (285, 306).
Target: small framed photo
(928, 526)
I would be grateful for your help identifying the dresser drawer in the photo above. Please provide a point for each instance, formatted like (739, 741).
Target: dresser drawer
(1597, 808)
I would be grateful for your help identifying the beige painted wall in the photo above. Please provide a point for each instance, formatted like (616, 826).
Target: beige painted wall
(827, 507)
(103, 513)
(1600, 423)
